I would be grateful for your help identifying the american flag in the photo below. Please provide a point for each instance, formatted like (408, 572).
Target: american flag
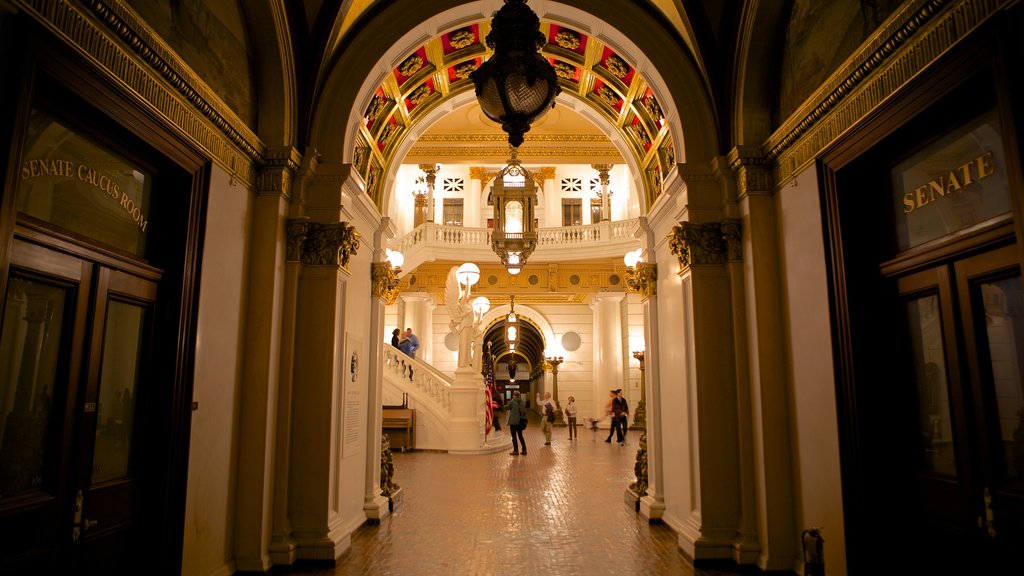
(488, 389)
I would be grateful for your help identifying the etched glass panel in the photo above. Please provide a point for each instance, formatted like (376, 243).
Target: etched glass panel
(925, 323)
(81, 186)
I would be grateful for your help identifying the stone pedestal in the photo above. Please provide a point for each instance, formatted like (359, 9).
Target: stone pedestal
(466, 430)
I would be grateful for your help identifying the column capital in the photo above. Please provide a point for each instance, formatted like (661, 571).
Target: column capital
(277, 172)
(643, 279)
(317, 244)
(544, 173)
(704, 244)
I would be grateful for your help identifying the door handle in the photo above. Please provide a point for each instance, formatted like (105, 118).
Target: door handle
(80, 524)
(988, 522)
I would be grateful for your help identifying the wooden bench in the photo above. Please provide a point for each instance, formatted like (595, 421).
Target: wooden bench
(400, 426)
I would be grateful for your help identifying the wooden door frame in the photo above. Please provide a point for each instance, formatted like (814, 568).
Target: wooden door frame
(49, 71)
(976, 72)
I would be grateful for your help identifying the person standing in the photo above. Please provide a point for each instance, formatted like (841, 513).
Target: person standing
(547, 410)
(616, 429)
(394, 337)
(570, 414)
(517, 422)
(624, 416)
(414, 342)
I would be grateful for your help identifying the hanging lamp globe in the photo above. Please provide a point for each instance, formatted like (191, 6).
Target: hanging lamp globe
(516, 86)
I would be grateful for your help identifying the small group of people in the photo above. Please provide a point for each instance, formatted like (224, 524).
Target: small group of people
(406, 341)
(618, 411)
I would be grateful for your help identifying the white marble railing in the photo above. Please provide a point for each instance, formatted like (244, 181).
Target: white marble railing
(432, 241)
(426, 385)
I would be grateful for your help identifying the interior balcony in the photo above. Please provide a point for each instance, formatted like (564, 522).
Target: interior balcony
(431, 241)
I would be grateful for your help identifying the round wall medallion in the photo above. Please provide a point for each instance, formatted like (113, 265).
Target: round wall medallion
(614, 279)
(574, 280)
(412, 279)
(451, 342)
(533, 280)
(570, 341)
(492, 279)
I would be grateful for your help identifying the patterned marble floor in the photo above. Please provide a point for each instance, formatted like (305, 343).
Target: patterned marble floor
(560, 510)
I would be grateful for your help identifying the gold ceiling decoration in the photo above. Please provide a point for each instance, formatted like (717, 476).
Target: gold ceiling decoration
(429, 74)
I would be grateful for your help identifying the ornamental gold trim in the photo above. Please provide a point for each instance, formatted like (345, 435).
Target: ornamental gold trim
(154, 75)
(888, 61)
(384, 282)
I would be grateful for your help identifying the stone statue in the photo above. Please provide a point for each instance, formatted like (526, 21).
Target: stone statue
(461, 313)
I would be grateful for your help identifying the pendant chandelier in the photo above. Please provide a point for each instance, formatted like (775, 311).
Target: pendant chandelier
(512, 326)
(515, 230)
(516, 85)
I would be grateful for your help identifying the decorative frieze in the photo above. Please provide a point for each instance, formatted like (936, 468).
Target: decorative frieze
(316, 244)
(277, 172)
(920, 33)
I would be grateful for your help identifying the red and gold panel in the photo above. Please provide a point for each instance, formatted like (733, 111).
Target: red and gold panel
(461, 71)
(607, 95)
(652, 107)
(412, 64)
(420, 94)
(640, 134)
(388, 133)
(617, 66)
(565, 71)
(567, 39)
(460, 38)
(375, 109)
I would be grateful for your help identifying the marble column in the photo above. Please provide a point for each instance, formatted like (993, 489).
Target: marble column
(324, 252)
(419, 315)
(552, 204)
(608, 367)
(475, 198)
(263, 531)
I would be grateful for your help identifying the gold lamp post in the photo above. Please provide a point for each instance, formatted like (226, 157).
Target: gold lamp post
(553, 362)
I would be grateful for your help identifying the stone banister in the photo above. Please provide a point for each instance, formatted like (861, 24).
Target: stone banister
(432, 241)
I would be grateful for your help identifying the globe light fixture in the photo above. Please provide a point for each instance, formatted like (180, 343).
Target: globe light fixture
(512, 325)
(515, 86)
(468, 274)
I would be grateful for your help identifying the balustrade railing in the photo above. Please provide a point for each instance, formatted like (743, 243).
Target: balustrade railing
(424, 383)
(602, 238)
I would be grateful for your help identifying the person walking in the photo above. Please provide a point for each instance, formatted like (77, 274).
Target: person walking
(547, 410)
(517, 423)
(616, 409)
(570, 414)
(623, 416)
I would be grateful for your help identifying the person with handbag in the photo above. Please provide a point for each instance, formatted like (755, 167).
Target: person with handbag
(547, 410)
(517, 423)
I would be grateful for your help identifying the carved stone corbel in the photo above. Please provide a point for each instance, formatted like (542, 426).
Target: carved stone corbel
(643, 279)
(384, 282)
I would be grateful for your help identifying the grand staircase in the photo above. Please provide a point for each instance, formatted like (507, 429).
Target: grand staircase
(428, 392)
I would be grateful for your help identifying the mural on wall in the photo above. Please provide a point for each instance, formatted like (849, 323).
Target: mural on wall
(821, 34)
(210, 37)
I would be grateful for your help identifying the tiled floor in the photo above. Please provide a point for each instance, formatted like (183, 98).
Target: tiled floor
(560, 510)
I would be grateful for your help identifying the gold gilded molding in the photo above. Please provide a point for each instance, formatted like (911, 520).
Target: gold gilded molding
(384, 282)
(643, 279)
(544, 173)
(895, 54)
(610, 152)
(149, 69)
(472, 138)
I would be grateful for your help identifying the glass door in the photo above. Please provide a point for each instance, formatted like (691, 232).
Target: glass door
(74, 350)
(965, 327)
